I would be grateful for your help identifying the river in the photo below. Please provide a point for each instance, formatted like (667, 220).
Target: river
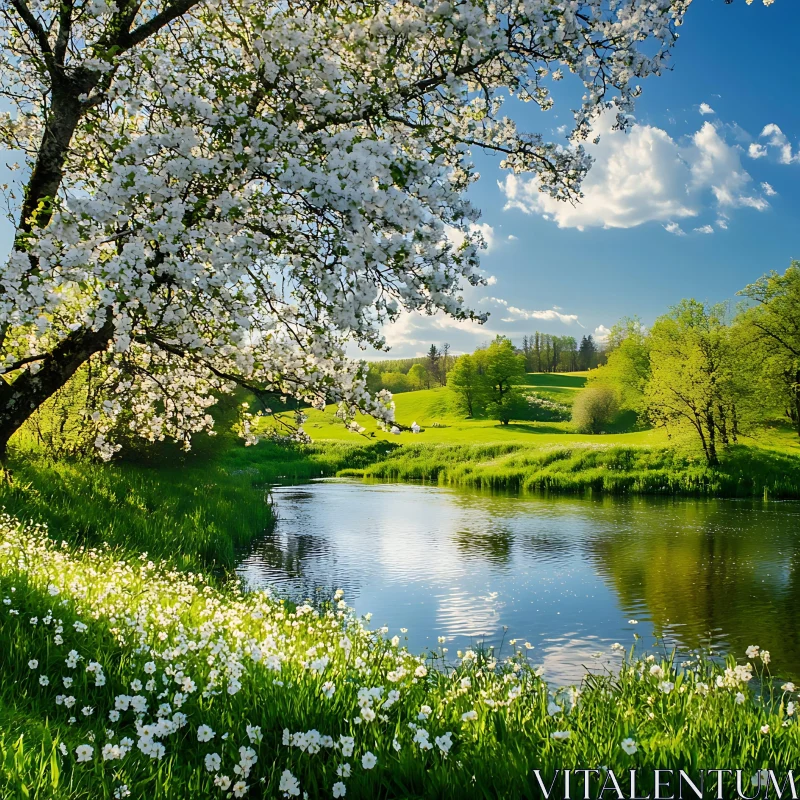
(569, 576)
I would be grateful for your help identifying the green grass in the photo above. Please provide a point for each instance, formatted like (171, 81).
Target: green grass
(248, 667)
(558, 394)
(569, 380)
(433, 410)
(196, 516)
(537, 456)
(744, 472)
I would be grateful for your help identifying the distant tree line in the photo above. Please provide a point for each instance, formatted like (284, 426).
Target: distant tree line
(545, 352)
(541, 352)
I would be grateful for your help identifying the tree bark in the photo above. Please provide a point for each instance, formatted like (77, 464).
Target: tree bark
(796, 398)
(723, 426)
(711, 453)
(48, 170)
(20, 399)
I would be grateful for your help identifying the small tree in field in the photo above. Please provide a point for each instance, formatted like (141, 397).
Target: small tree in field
(512, 405)
(228, 193)
(627, 369)
(503, 368)
(594, 408)
(467, 383)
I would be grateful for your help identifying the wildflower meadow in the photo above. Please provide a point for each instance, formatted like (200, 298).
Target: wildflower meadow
(139, 680)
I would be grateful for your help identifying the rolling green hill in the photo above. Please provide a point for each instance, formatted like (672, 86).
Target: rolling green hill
(547, 455)
(432, 410)
(567, 380)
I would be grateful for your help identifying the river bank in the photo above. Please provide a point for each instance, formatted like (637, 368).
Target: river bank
(743, 471)
(535, 456)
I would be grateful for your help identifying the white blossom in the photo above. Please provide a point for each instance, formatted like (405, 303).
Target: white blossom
(207, 232)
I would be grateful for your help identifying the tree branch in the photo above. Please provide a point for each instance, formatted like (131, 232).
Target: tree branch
(146, 29)
(38, 32)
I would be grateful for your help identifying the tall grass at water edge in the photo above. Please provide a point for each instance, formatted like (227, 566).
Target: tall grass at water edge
(195, 511)
(743, 471)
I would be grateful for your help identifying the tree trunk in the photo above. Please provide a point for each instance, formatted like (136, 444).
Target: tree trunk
(797, 402)
(723, 426)
(711, 452)
(699, 426)
(20, 399)
(47, 172)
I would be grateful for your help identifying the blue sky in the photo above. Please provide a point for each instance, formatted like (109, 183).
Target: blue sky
(671, 171)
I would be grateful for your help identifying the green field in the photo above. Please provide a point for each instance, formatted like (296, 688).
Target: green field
(432, 409)
(451, 449)
(566, 380)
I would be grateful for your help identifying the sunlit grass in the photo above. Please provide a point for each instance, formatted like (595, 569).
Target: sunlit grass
(433, 410)
(535, 456)
(193, 515)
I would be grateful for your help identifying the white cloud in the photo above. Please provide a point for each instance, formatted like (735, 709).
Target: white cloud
(768, 190)
(777, 138)
(511, 237)
(550, 314)
(756, 150)
(487, 231)
(414, 332)
(722, 223)
(758, 203)
(601, 334)
(644, 176)
(673, 227)
(716, 165)
(705, 109)
(704, 229)
(491, 280)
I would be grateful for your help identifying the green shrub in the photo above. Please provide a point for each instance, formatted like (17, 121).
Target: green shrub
(594, 408)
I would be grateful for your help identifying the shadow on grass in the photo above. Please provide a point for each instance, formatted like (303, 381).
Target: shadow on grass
(194, 516)
(532, 428)
(196, 511)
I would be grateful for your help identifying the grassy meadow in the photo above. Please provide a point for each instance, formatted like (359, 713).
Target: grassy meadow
(550, 456)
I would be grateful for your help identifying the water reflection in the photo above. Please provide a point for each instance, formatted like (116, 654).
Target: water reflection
(566, 575)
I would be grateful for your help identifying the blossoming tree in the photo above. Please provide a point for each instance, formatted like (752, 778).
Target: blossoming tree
(226, 193)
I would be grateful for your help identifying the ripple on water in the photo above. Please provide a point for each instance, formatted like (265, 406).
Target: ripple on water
(564, 574)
